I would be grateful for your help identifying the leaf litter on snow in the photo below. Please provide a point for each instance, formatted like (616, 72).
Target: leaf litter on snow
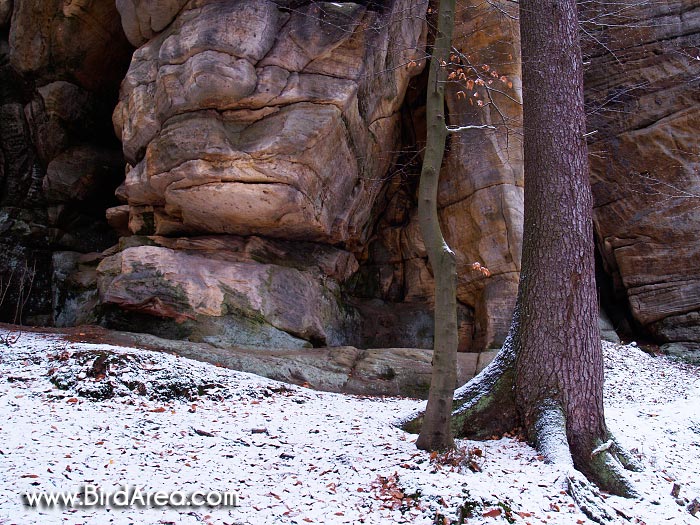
(73, 414)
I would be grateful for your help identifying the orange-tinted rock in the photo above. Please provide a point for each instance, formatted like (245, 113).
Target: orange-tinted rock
(227, 286)
(142, 19)
(243, 118)
(480, 195)
(643, 95)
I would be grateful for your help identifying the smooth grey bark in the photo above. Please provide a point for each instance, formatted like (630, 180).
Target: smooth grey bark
(436, 433)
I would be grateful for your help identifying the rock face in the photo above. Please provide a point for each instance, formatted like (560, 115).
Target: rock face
(242, 118)
(76, 40)
(644, 102)
(231, 290)
(75, 300)
(60, 67)
(480, 194)
(253, 119)
(481, 187)
(272, 152)
(143, 19)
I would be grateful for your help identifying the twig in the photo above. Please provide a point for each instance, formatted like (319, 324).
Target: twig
(457, 129)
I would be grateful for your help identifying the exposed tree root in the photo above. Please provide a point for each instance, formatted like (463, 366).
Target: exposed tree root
(628, 461)
(486, 406)
(607, 471)
(549, 436)
(600, 467)
(587, 498)
(412, 422)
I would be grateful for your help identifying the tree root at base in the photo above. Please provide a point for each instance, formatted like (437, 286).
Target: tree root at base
(588, 498)
(607, 470)
(601, 467)
(484, 406)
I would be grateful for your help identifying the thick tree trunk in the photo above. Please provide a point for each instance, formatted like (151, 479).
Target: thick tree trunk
(548, 378)
(435, 431)
(557, 340)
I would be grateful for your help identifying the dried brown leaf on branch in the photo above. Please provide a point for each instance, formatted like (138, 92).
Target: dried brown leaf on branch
(482, 269)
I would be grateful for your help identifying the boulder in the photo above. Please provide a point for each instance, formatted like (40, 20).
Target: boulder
(688, 352)
(118, 219)
(607, 329)
(142, 19)
(247, 292)
(349, 370)
(253, 119)
(242, 118)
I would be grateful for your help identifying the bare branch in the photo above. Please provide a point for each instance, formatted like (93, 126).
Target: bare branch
(457, 129)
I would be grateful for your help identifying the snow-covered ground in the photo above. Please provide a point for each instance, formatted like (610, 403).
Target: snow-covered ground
(294, 455)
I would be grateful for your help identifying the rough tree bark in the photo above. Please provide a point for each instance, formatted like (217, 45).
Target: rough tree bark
(435, 433)
(559, 364)
(548, 378)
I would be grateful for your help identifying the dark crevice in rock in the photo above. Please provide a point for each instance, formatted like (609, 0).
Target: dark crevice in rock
(613, 301)
(59, 159)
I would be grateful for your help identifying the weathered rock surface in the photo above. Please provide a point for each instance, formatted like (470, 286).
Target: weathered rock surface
(408, 325)
(75, 298)
(252, 119)
(79, 41)
(178, 285)
(24, 259)
(480, 194)
(244, 118)
(272, 151)
(229, 290)
(143, 19)
(481, 186)
(688, 352)
(644, 101)
(60, 65)
(81, 173)
(383, 371)
(607, 329)
(60, 115)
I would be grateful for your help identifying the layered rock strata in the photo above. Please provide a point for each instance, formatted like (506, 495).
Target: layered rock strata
(256, 119)
(643, 98)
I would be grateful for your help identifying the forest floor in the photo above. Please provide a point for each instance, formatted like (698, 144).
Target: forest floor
(76, 415)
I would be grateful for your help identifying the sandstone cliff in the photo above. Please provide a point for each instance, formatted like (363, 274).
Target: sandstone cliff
(261, 187)
(644, 105)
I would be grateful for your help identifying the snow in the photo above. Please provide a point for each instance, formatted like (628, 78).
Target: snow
(297, 456)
